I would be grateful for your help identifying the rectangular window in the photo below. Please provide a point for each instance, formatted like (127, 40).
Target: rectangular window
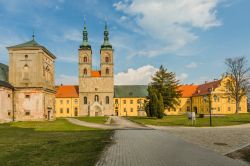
(229, 108)
(67, 110)
(124, 101)
(61, 101)
(27, 96)
(125, 110)
(188, 109)
(61, 110)
(139, 101)
(9, 113)
(218, 109)
(131, 110)
(228, 99)
(67, 101)
(76, 101)
(116, 101)
(9, 95)
(131, 101)
(27, 112)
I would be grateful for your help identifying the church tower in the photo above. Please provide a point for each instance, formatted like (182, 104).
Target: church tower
(96, 87)
(85, 56)
(106, 55)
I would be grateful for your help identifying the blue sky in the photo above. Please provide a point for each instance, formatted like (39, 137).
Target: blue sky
(189, 37)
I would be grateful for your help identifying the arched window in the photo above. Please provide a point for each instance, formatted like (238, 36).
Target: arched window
(107, 100)
(85, 100)
(85, 59)
(107, 70)
(85, 71)
(96, 98)
(26, 72)
(106, 59)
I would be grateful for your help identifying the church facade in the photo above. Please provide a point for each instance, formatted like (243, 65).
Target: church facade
(96, 87)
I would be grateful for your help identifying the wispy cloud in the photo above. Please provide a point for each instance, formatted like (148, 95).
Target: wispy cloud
(191, 65)
(67, 80)
(169, 22)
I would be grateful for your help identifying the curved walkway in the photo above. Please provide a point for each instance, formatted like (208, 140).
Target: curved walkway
(116, 123)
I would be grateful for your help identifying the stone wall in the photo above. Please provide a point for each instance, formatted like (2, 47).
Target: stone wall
(6, 107)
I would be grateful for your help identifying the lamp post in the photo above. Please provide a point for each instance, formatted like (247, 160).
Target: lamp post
(207, 97)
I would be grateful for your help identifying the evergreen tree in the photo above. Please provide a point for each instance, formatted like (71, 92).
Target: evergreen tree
(162, 93)
(160, 111)
(166, 84)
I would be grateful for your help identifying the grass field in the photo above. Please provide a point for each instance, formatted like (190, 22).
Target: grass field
(50, 143)
(200, 122)
(96, 119)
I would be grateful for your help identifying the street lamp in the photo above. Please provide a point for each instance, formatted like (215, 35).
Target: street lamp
(207, 97)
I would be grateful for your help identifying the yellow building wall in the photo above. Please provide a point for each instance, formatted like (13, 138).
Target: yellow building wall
(67, 107)
(129, 106)
(182, 108)
(221, 102)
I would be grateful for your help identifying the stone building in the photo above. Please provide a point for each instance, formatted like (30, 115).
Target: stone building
(31, 73)
(96, 88)
(6, 95)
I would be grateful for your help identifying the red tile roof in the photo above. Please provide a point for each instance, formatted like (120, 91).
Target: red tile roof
(188, 90)
(96, 73)
(67, 91)
(207, 88)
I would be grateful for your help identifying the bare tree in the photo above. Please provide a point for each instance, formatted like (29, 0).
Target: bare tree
(239, 85)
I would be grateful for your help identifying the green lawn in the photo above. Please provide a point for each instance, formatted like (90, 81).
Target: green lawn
(96, 119)
(51, 143)
(200, 122)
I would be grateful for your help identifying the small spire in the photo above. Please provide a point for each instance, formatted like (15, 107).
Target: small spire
(85, 43)
(33, 35)
(106, 43)
(84, 22)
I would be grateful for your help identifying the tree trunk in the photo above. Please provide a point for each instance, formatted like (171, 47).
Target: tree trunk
(237, 107)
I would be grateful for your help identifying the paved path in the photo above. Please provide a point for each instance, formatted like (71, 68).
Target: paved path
(158, 148)
(117, 123)
(87, 124)
(230, 138)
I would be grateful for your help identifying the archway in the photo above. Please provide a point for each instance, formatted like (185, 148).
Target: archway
(97, 110)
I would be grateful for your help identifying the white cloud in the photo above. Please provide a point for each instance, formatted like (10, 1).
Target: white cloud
(201, 80)
(67, 80)
(182, 77)
(170, 21)
(192, 65)
(68, 59)
(139, 76)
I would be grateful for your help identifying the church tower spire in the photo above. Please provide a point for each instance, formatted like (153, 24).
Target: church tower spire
(106, 44)
(85, 42)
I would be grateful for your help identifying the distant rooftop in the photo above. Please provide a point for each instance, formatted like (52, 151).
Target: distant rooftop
(127, 91)
(32, 43)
